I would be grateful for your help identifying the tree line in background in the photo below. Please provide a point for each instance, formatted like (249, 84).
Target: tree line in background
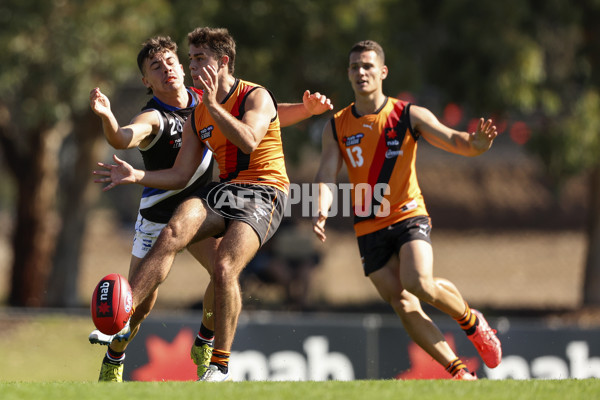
(533, 60)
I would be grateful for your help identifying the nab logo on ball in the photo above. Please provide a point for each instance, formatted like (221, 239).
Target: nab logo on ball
(111, 304)
(104, 307)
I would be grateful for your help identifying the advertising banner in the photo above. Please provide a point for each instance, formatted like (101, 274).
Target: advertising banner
(284, 346)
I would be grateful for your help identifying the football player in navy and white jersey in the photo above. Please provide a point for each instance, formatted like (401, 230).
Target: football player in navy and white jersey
(156, 132)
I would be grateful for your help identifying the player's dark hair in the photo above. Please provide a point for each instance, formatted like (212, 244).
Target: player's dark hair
(218, 40)
(152, 47)
(368, 45)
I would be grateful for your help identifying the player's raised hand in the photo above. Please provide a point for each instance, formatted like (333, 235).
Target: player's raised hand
(209, 83)
(99, 102)
(120, 173)
(484, 136)
(316, 103)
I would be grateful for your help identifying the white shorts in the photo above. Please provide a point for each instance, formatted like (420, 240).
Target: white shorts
(146, 233)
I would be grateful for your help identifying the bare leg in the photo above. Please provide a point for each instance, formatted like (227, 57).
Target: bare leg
(140, 314)
(418, 325)
(205, 251)
(416, 265)
(236, 249)
(416, 275)
(190, 221)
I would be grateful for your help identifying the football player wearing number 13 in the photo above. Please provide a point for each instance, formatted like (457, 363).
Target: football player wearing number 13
(376, 136)
(239, 122)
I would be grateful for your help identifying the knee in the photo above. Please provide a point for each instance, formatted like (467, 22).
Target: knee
(423, 288)
(224, 273)
(405, 303)
(171, 236)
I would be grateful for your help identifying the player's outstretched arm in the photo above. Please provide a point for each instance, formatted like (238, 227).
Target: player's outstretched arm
(464, 143)
(329, 167)
(119, 173)
(312, 104)
(176, 177)
(125, 137)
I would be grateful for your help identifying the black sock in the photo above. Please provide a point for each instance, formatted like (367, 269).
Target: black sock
(205, 336)
(114, 357)
(222, 368)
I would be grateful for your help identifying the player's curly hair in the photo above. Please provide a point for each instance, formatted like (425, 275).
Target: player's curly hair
(368, 45)
(218, 40)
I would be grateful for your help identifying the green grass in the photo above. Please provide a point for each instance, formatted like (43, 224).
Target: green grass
(45, 358)
(359, 390)
(48, 348)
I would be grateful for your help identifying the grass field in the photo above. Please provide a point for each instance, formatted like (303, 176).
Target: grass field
(422, 390)
(45, 357)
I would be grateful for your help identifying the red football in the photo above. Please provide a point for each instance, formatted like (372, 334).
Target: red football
(111, 304)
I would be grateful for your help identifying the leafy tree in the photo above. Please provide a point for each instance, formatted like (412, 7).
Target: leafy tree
(533, 60)
(530, 60)
(51, 55)
(537, 61)
(293, 45)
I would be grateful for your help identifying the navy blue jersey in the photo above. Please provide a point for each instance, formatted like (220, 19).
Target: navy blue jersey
(158, 205)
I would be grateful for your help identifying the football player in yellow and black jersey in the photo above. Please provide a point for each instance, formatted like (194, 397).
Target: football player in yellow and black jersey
(157, 133)
(239, 123)
(376, 137)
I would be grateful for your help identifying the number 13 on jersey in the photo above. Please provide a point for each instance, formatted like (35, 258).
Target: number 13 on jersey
(355, 156)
